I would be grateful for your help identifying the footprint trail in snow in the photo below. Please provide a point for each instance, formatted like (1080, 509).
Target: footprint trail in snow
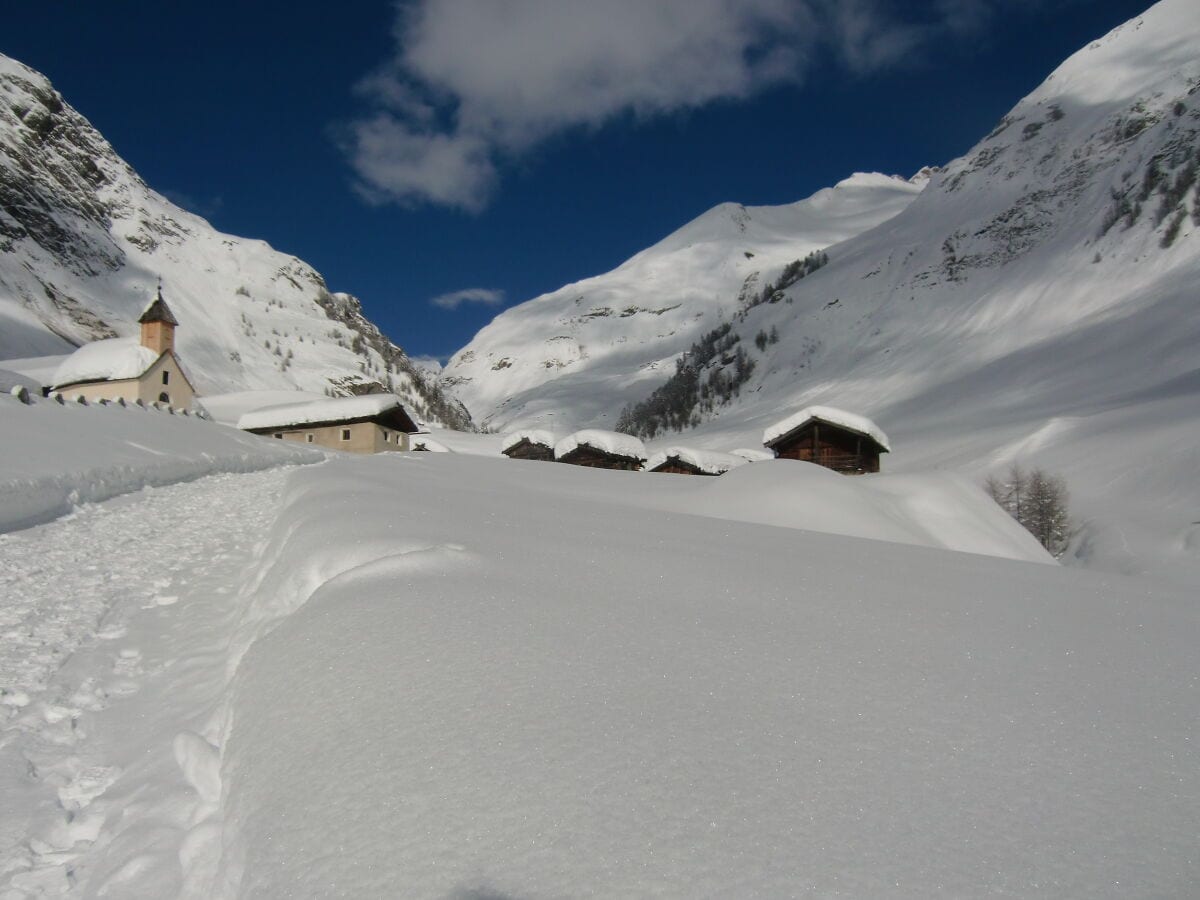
(111, 623)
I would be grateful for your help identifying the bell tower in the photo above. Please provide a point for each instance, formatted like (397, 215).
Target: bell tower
(158, 325)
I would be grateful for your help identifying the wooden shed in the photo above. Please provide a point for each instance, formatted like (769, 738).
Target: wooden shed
(843, 441)
(531, 444)
(598, 449)
(686, 461)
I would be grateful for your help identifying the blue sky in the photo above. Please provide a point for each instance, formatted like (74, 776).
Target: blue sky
(502, 148)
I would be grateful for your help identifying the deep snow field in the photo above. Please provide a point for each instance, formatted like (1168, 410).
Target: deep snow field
(453, 676)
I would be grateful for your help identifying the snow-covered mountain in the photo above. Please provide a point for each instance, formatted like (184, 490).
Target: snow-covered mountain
(84, 242)
(1036, 302)
(576, 355)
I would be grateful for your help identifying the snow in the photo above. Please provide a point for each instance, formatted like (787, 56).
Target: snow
(228, 408)
(335, 409)
(751, 455)
(40, 369)
(611, 442)
(57, 456)
(565, 359)
(848, 420)
(988, 321)
(533, 435)
(113, 359)
(710, 462)
(441, 675)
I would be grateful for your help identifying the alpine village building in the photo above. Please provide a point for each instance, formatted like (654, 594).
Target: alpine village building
(373, 423)
(144, 369)
(843, 441)
(536, 445)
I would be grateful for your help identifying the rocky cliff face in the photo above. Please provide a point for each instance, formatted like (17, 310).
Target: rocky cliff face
(84, 241)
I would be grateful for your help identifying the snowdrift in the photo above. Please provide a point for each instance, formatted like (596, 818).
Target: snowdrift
(57, 456)
(458, 682)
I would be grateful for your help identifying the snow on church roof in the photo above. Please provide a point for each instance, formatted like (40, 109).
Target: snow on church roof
(710, 462)
(336, 409)
(113, 359)
(533, 435)
(834, 416)
(611, 442)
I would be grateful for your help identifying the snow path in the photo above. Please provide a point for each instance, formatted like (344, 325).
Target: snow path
(114, 625)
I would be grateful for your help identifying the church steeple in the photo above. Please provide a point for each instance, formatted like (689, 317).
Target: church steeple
(158, 325)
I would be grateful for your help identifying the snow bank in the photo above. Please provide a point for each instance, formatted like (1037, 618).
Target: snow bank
(470, 688)
(108, 360)
(327, 410)
(57, 456)
(931, 510)
(848, 420)
(612, 442)
(710, 462)
(533, 435)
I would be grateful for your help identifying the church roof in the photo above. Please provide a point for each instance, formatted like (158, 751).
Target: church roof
(158, 311)
(114, 359)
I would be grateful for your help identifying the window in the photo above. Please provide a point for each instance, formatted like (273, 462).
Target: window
(278, 435)
(166, 377)
(308, 438)
(345, 434)
(385, 436)
(164, 397)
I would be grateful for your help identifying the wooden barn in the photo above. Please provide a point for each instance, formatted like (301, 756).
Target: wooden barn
(598, 449)
(843, 441)
(686, 461)
(533, 444)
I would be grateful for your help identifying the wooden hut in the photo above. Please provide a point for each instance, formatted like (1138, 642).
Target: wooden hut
(531, 444)
(598, 449)
(686, 461)
(843, 441)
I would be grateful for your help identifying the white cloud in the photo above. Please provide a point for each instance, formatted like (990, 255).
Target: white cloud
(476, 83)
(455, 299)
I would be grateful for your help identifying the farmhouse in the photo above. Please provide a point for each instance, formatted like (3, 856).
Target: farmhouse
(131, 369)
(598, 449)
(686, 461)
(370, 424)
(529, 444)
(843, 441)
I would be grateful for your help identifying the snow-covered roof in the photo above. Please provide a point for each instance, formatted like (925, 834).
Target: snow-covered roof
(834, 416)
(336, 409)
(113, 359)
(751, 455)
(533, 435)
(710, 462)
(611, 442)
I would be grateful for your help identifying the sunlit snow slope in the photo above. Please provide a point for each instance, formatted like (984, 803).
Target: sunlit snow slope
(574, 356)
(84, 241)
(1037, 302)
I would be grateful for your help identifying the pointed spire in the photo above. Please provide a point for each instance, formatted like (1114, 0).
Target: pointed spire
(158, 311)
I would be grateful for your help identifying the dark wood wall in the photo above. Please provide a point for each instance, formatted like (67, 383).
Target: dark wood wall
(596, 459)
(831, 447)
(528, 450)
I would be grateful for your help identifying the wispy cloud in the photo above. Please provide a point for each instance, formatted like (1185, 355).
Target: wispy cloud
(455, 299)
(474, 84)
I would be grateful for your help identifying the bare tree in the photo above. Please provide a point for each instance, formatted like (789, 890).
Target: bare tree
(1038, 501)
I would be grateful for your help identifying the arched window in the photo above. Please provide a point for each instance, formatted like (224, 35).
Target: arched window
(164, 397)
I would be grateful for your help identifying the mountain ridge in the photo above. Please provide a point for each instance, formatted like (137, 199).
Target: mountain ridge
(84, 242)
